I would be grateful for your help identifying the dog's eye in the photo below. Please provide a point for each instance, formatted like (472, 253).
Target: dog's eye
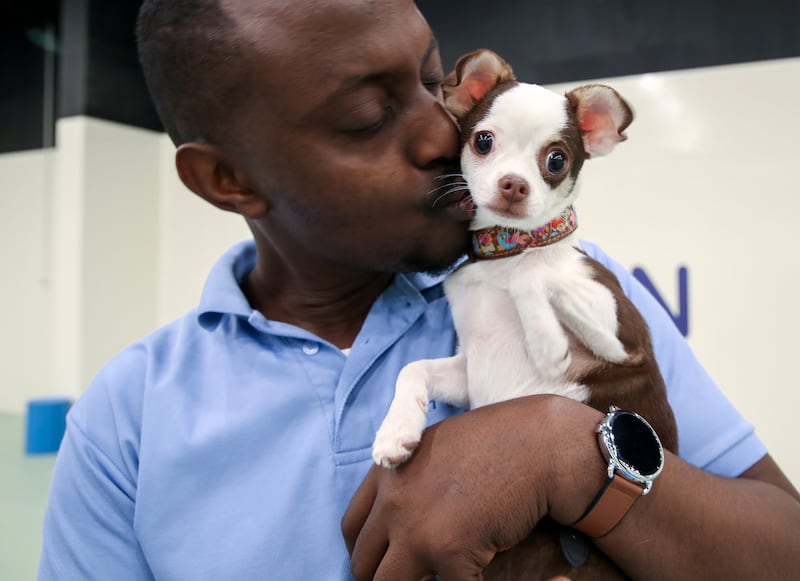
(483, 142)
(556, 161)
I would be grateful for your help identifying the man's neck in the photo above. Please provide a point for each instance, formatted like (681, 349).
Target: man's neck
(333, 306)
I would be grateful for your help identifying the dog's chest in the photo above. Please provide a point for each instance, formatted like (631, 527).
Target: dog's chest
(480, 297)
(480, 293)
(490, 328)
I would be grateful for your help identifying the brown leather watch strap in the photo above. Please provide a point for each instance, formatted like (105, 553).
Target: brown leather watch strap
(614, 501)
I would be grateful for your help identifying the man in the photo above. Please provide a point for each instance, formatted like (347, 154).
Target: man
(228, 444)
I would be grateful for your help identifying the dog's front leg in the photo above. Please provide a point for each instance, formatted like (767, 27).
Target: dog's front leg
(440, 379)
(589, 310)
(546, 342)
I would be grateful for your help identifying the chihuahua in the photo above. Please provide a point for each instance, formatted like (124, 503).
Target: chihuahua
(533, 313)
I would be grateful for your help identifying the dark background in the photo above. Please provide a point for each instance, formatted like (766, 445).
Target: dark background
(96, 71)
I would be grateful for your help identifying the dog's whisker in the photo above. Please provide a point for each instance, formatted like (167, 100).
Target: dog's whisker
(460, 181)
(437, 189)
(458, 188)
(454, 190)
(449, 175)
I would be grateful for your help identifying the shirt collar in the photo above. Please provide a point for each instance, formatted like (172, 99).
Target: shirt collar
(222, 294)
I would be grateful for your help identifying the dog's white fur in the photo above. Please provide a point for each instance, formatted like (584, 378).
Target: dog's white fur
(517, 318)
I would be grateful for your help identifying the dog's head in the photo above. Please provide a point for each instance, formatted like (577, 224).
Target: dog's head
(524, 145)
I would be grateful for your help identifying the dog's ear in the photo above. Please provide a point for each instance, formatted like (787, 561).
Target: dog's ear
(602, 116)
(475, 74)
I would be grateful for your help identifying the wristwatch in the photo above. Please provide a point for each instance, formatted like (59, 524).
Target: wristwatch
(635, 458)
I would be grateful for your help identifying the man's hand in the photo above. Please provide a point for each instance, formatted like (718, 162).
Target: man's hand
(477, 484)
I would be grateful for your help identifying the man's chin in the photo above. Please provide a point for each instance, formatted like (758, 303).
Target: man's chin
(436, 260)
(433, 269)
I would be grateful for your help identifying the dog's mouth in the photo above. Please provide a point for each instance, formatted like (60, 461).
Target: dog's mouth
(513, 211)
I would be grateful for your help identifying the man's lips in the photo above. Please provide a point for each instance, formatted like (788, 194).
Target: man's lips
(458, 205)
(454, 200)
(467, 203)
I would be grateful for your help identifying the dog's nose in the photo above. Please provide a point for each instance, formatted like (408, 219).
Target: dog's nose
(514, 188)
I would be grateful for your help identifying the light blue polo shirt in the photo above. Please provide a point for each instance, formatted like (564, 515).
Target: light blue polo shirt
(226, 447)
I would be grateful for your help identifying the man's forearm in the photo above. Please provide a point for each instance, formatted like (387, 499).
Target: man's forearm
(695, 525)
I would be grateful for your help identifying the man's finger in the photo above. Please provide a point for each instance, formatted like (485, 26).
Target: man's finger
(460, 570)
(360, 507)
(399, 565)
(368, 552)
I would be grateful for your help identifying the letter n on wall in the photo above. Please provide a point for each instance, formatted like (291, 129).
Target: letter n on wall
(681, 316)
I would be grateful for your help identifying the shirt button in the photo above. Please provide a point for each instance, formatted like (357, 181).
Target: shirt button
(310, 348)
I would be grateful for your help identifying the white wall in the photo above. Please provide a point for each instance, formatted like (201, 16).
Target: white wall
(113, 244)
(25, 308)
(104, 245)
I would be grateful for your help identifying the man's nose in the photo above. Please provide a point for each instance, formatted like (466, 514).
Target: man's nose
(436, 137)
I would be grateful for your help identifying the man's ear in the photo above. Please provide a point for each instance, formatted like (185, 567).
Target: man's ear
(208, 172)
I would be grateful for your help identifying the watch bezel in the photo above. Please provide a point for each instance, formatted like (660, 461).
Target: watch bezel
(610, 449)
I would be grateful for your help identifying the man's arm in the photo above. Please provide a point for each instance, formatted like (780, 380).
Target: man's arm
(88, 528)
(89, 521)
(474, 488)
(705, 526)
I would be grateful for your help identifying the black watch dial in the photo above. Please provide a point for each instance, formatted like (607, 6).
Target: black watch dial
(636, 442)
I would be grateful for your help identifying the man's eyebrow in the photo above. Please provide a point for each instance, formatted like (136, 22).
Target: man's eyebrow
(352, 84)
(433, 46)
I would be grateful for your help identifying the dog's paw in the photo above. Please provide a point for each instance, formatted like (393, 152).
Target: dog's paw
(391, 450)
(401, 430)
(636, 358)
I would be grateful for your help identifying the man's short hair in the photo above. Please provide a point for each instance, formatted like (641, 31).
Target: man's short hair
(191, 55)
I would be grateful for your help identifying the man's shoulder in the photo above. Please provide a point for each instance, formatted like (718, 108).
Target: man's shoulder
(154, 347)
(121, 382)
(175, 345)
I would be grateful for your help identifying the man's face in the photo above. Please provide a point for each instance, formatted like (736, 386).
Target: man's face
(350, 139)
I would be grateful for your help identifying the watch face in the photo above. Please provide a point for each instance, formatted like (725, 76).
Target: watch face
(636, 443)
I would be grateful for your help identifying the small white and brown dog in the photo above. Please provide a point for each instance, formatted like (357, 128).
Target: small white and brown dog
(534, 314)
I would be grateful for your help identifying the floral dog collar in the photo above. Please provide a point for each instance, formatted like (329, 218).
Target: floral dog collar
(499, 241)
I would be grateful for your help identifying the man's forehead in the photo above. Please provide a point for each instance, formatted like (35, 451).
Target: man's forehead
(258, 17)
(316, 53)
(301, 31)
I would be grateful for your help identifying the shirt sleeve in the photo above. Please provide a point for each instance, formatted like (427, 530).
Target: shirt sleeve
(712, 434)
(89, 520)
